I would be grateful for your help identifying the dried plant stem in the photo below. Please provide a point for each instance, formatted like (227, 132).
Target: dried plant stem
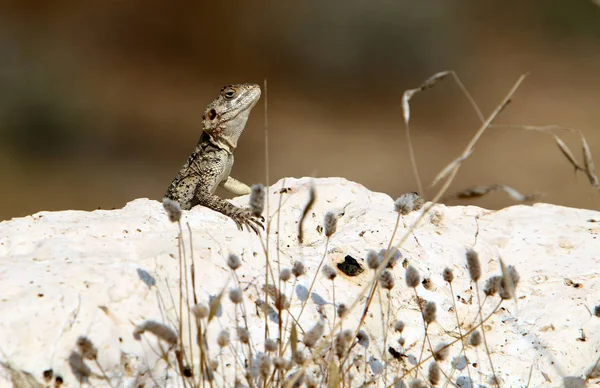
(267, 162)
(374, 284)
(268, 269)
(245, 318)
(289, 316)
(530, 374)
(413, 159)
(334, 305)
(393, 234)
(200, 342)
(427, 208)
(475, 327)
(193, 266)
(487, 349)
(223, 368)
(462, 342)
(182, 281)
(267, 182)
(312, 284)
(385, 331)
(425, 338)
(103, 373)
(278, 251)
(468, 96)
(469, 148)
(187, 305)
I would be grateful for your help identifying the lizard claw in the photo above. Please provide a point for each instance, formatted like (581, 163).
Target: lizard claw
(250, 221)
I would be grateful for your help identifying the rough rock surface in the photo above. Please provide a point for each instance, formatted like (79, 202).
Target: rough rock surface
(71, 273)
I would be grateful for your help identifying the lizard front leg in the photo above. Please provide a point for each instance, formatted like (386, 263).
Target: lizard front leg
(242, 217)
(210, 169)
(235, 187)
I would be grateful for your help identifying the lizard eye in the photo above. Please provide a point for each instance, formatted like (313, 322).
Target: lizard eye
(229, 93)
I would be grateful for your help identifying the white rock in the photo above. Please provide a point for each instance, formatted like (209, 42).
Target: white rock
(72, 273)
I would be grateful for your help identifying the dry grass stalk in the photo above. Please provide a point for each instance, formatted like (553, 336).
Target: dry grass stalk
(312, 196)
(341, 341)
(407, 96)
(480, 191)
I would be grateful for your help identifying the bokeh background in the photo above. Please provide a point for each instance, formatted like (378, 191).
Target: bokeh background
(101, 100)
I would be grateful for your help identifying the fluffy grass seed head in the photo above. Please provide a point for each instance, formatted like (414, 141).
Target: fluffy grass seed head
(473, 265)
(429, 311)
(408, 202)
(330, 223)
(243, 335)
(508, 282)
(285, 274)
(173, 209)
(475, 338)
(223, 338)
(81, 371)
(270, 345)
(448, 275)
(86, 348)
(363, 338)
(386, 279)
(433, 373)
(264, 365)
(233, 261)
(348, 335)
(160, 330)
(492, 285)
(257, 200)
(399, 326)
(412, 277)
(416, 383)
(299, 358)
(314, 334)
(394, 254)
(48, 374)
(200, 310)
(281, 363)
(340, 345)
(281, 301)
(236, 295)
(373, 259)
(441, 351)
(401, 341)
(329, 272)
(513, 274)
(298, 269)
(214, 366)
(342, 310)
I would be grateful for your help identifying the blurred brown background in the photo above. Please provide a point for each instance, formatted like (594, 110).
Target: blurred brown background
(101, 101)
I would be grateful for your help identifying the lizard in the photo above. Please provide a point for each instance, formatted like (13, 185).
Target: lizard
(209, 165)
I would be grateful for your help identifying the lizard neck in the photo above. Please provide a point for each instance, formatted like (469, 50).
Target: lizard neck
(226, 135)
(206, 139)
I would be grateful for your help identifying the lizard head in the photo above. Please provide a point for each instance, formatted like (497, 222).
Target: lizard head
(225, 117)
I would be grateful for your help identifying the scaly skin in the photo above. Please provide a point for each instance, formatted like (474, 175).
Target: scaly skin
(210, 164)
